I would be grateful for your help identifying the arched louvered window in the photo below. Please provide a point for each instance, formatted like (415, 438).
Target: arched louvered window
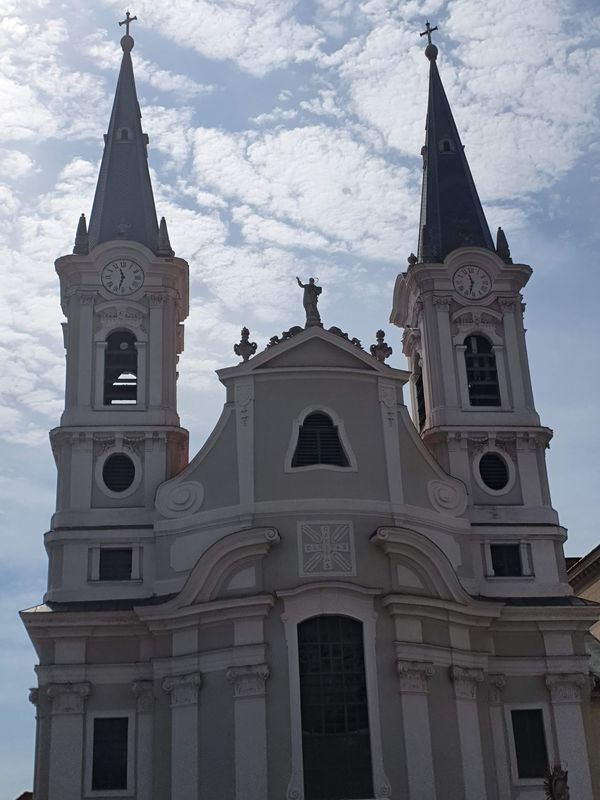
(336, 747)
(482, 376)
(120, 369)
(319, 443)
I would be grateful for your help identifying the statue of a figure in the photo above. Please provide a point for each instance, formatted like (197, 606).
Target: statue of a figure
(555, 785)
(310, 300)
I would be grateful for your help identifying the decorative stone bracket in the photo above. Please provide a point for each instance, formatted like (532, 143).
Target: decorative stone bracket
(567, 687)
(465, 682)
(183, 689)
(413, 676)
(144, 692)
(68, 698)
(248, 681)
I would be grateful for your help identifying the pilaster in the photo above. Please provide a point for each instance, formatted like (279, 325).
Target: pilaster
(144, 694)
(183, 691)
(250, 715)
(413, 677)
(466, 681)
(567, 691)
(66, 739)
(497, 684)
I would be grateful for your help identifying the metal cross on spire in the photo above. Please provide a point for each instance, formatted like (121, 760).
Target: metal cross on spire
(428, 31)
(129, 19)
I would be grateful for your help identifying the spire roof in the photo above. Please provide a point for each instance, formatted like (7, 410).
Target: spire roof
(124, 203)
(451, 212)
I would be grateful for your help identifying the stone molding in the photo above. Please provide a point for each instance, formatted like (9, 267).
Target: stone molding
(183, 689)
(68, 698)
(144, 693)
(497, 684)
(413, 676)
(465, 681)
(248, 681)
(567, 687)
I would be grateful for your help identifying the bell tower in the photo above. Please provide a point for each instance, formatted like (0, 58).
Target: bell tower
(460, 305)
(125, 296)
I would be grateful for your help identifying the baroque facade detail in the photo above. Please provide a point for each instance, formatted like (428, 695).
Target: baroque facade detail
(466, 681)
(567, 687)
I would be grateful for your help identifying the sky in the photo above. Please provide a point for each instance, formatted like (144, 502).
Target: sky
(285, 140)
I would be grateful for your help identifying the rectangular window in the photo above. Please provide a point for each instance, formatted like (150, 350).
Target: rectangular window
(506, 560)
(115, 565)
(530, 742)
(109, 760)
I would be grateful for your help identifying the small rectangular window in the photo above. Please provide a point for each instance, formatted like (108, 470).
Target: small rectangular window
(530, 742)
(109, 760)
(115, 565)
(506, 560)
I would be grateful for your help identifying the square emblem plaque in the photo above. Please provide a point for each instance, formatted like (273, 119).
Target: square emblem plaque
(326, 547)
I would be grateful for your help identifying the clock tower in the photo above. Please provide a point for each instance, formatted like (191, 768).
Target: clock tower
(125, 296)
(461, 308)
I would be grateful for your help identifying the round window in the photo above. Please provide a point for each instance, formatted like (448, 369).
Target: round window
(118, 472)
(494, 471)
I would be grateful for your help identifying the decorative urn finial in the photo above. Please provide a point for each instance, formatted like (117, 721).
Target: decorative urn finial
(412, 259)
(381, 350)
(245, 348)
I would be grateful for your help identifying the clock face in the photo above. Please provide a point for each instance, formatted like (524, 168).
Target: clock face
(472, 282)
(122, 276)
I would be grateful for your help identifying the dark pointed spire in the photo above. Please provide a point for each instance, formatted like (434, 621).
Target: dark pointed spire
(82, 244)
(164, 245)
(451, 212)
(124, 204)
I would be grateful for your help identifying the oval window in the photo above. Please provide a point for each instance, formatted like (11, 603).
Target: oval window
(494, 471)
(118, 472)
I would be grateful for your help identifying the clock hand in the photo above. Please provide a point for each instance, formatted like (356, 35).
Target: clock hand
(122, 278)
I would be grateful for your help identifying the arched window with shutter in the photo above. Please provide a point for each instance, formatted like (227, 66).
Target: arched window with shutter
(120, 369)
(482, 375)
(319, 443)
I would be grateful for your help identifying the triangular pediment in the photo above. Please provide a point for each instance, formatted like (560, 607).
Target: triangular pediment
(316, 348)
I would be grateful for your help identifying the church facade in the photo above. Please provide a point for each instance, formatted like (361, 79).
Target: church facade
(334, 599)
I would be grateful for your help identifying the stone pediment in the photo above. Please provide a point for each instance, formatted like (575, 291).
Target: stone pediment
(313, 347)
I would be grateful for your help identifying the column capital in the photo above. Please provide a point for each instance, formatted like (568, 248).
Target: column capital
(497, 684)
(413, 676)
(144, 692)
(465, 682)
(567, 687)
(248, 681)
(442, 301)
(183, 688)
(68, 698)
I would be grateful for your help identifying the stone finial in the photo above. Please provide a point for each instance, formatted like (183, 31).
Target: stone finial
(381, 350)
(82, 244)
(164, 245)
(127, 40)
(310, 300)
(431, 50)
(245, 348)
(502, 248)
(412, 259)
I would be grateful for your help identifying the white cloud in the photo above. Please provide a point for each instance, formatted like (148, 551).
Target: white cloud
(259, 37)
